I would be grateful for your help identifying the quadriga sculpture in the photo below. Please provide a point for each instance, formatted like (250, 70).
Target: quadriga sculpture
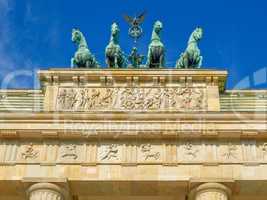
(191, 58)
(83, 58)
(115, 57)
(156, 50)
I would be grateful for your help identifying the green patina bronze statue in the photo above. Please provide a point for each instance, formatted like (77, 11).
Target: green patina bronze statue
(191, 58)
(115, 57)
(135, 58)
(156, 50)
(83, 58)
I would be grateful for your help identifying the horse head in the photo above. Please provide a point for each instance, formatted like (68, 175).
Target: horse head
(115, 30)
(158, 27)
(197, 34)
(76, 35)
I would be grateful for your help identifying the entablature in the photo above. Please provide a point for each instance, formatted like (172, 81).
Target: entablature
(122, 125)
(131, 77)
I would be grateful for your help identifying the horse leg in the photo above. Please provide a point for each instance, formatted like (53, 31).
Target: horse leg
(116, 61)
(108, 62)
(180, 61)
(87, 63)
(161, 62)
(186, 61)
(123, 60)
(163, 59)
(72, 64)
(200, 62)
(148, 58)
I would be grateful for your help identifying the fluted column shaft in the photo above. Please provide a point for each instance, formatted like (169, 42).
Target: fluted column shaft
(211, 191)
(45, 191)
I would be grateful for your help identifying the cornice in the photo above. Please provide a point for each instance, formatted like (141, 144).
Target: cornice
(128, 125)
(240, 117)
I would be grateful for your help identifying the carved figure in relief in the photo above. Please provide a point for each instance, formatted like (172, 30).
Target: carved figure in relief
(154, 99)
(62, 97)
(69, 151)
(84, 99)
(148, 152)
(264, 150)
(94, 101)
(107, 97)
(264, 147)
(111, 152)
(172, 100)
(29, 152)
(71, 99)
(192, 98)
(141, 98)
(67, 98)
(190, 150)
(127, 99)
(231, 151)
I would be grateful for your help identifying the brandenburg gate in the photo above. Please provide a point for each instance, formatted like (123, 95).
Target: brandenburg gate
(133, 133)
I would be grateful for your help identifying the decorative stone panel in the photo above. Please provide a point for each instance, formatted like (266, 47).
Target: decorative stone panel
(132, 98)
(128, 152)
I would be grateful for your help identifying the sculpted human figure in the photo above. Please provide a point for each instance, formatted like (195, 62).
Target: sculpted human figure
(111, 152)
(148, 152)
(191, 58)
(83, 58)
(29, 152)
(135, 58)
(115, 57)
(156, 50)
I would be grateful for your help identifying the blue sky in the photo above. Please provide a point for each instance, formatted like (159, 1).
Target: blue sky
(36, 34)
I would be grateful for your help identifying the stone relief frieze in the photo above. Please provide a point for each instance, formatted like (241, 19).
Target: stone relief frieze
(69, 152)
(94, 152)
(149, 153)
(86, 99)
(110, 152)
(191, 150)
(29, 152)
(263, 149)
(230, 152)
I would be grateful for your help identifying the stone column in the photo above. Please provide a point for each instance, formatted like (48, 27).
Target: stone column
(210, 191)
(45, 191)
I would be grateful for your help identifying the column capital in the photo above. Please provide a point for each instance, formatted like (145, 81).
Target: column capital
(206, 191)
(46, 191)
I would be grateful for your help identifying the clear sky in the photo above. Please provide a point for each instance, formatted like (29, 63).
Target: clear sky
(36, 34)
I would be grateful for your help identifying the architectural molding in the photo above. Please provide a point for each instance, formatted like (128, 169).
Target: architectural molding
(135, 152)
